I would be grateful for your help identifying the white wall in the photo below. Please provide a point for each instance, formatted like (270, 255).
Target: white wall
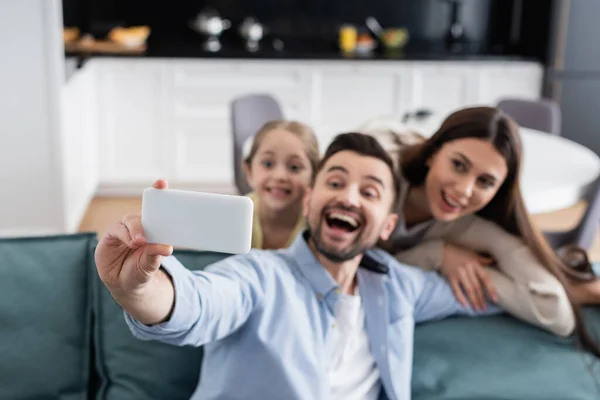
(31, 77)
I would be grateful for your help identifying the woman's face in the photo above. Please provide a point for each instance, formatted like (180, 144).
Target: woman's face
(464, 176)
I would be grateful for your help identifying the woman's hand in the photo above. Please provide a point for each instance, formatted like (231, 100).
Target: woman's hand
(464, 270)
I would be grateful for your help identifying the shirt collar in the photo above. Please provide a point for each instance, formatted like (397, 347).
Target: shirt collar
(319, 278)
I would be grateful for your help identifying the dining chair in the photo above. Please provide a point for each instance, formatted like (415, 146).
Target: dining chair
(248, 114)
(584, 233)
(543, 115)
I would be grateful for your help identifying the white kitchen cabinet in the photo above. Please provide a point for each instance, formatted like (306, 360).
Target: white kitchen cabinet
(441, 87)
(508, 80)
(170, 118)
(199, 116)
(133, 131)
(345, 97)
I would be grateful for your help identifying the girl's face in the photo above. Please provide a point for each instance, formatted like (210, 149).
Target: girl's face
(464, 176)
(280, 171)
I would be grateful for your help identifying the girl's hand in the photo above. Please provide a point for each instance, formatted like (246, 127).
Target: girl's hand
(464, 270)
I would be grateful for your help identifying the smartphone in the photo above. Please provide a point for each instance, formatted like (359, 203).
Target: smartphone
(197, 220)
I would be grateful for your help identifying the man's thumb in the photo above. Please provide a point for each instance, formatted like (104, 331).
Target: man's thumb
(152, 257)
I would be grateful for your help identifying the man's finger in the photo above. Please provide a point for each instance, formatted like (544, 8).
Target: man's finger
(153, 254)
(119, 234)
(133, 223)
(159, 250)
(487, 283)
(160, 184)
(458, 292)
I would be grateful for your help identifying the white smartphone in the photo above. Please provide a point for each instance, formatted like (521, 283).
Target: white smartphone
(197, 220)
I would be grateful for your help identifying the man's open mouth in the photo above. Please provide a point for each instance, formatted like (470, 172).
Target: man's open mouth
(342, 221)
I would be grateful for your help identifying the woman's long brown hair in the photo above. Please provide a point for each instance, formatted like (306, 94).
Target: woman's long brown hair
(507, 208)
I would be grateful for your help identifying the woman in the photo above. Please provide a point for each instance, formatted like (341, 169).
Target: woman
(462, 213)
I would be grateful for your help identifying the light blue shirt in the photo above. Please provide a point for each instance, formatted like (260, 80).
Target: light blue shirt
(266, 321)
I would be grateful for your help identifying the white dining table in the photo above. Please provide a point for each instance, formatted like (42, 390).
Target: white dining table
(557, 172)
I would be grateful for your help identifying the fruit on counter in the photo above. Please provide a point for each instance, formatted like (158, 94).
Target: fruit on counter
(395, 37)
(365, 38)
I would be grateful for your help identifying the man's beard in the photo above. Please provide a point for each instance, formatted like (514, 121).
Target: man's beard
(358, 246)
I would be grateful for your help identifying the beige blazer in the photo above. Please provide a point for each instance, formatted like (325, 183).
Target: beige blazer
(525, 288)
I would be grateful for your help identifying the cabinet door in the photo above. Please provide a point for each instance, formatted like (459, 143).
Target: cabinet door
(520, 80)
(578, 99)
(131, 127)
(441, 88)
(578, 31)
(199, 114)
(346, 97)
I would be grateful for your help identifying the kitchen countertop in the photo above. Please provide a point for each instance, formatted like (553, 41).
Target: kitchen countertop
(190, 45)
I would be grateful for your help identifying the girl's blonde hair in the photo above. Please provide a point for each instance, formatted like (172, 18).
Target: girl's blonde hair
(298, 129)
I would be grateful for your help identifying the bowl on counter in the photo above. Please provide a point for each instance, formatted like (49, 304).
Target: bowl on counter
(394, 38)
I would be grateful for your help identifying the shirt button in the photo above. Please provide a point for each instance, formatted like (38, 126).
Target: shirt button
(380, 301)
(338, 291)
(320, 296)
(334, 325)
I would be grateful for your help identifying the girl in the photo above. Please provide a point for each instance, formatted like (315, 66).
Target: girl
(462, 213)
(279, 168)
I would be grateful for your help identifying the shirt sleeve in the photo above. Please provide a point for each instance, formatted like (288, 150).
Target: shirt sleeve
(434, 298)
(430, 293)
(209, 304)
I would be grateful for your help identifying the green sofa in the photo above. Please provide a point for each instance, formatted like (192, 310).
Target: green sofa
(63, 337)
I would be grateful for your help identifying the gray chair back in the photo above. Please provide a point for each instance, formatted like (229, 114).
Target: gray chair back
(248, 114)
(543, 115)
(584, 233)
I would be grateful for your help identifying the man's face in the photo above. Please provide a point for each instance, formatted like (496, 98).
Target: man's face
(349, 208)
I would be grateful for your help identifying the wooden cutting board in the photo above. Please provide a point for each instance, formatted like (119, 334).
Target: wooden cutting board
(102, 47)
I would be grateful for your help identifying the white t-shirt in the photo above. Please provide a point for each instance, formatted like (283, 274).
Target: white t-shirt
(352, 370)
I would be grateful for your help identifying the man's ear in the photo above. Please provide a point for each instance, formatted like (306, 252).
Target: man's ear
(306, 201)
(389, 225)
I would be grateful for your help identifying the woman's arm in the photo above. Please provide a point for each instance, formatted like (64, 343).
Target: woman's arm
(524, 287)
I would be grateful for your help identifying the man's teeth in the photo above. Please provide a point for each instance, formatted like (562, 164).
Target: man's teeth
(345, 218)
(449, 201)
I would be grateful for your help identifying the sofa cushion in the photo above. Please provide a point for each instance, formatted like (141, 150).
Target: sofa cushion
(501, 358)
(130, 368)
(45, 317)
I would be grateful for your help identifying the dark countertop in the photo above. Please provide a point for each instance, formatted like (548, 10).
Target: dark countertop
(190, 45)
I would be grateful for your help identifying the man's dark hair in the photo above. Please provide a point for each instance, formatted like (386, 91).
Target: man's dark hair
(364, 145)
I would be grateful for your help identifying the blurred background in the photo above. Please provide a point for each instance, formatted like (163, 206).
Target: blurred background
(101, 97)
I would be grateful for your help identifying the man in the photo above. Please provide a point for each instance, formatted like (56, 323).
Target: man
(327, 318)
